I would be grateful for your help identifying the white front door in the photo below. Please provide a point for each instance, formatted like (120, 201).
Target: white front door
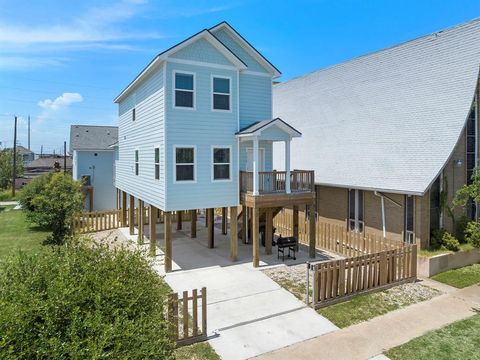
(261, 159)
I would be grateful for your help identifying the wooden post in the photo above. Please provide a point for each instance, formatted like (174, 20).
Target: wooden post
(233, 233)
(268, 231)
(255, 233)
(244, 224)
(153, 230)
(124, 209)
(224, 220)
(167, 223)
(295, 222)
(312, 232)
(141, 222)
(211, 240)
(193, 225)
(131, 215)
(204, 311)
(414, 261)
(179, 220)
(206, 217)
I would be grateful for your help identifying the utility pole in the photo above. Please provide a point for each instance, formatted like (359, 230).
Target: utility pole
(28, 132)
(64, 157)
(41, 151)
(14, 173)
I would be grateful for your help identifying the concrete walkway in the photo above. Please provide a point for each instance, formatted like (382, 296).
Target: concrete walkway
(371, 338)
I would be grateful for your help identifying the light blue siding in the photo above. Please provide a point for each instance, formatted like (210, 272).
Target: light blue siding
(239, 50)
(203, 128)
(255, 99)
(202, 50)
(274, 133)
(146, 132)
(99, 165)
(266, 145)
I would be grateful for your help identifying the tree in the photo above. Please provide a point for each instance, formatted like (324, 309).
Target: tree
(51, 202)
(6, 167)
(467, 192)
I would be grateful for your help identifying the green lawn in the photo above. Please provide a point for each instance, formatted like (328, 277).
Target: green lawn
(199, 351)
(459, 340)
(442, 250)
(461, 277)
(17, 233)
(368, 306)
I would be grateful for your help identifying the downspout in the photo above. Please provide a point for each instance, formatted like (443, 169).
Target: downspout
(382, 202)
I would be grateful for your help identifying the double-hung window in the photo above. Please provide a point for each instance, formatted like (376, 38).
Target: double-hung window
(136, 162)
(355, 210)
(184, 90)
(409, 234)
(184, 163)
(221, 93)
(157, 163)
(471, 157)
(221, 163)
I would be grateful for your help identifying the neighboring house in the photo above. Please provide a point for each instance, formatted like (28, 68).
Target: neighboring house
(27, 155)
(93, 163)
(196, 125)
(44, 165)
(390, 134)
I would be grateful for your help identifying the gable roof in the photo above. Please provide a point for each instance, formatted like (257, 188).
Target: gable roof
(249, 47)
(389, 120)
(91, 137)
(23, 150)
(257, 127)
(205, 34)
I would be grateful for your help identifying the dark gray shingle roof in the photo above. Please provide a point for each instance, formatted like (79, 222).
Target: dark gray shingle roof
(91, 137)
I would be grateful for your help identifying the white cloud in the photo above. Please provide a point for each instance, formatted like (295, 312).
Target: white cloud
(63, 101)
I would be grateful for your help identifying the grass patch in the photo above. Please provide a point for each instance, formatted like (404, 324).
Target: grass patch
(6, 195)
(461, 277)
(455, 341)
(442, 250)
(17, 233)
(198, 351)
(368, 306)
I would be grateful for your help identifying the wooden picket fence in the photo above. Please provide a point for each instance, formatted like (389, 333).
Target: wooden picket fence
(338, 280)
(188, 329)
(334, 238)
(93, 221)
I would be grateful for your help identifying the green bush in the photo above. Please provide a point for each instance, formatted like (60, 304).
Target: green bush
(436, 238)
(450, 242)
(51, 201)
(472, 233)
(460, 226)
(82, 302)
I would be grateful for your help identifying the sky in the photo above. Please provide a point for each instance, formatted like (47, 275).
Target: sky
(63, 62)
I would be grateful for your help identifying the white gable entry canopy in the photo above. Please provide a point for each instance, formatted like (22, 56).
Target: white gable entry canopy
(386, 121)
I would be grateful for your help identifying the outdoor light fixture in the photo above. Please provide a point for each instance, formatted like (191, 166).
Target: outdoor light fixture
(458, 162)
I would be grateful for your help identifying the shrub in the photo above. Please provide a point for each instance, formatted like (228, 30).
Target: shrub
(82, 302)
(450, 242)
(472, 233)
(436, 238)
(51, 201)
(460, 226)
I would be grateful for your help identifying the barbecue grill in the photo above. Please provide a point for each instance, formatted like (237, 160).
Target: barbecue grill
(290, 243)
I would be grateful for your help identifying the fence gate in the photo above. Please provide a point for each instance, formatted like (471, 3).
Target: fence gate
(188, 329)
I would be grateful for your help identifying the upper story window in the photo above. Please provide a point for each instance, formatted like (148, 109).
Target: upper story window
(221, 93)
(133, 114)
(184, 90)
(221, 163)
(184, 163)
(355, 210)
(136, 162)
(157, 163)
(409, 234)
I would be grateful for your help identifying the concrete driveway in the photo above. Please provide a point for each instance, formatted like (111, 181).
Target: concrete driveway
(248, 314)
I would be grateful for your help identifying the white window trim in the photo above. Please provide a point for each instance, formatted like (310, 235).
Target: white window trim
(135, 162)
(356, 211)
(194, 90)
(155, 147)
(213, 164)
(212, 93)
(405, 231)
(175, 147)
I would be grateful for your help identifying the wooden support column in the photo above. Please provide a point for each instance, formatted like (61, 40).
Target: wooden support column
(153, 230)
(141, 222)
(224, 221)
(124, 209)
(233, 234)
(268, 231)
(179, 220)
(255, 235)
(211, 218)
(244, 224)
(312, 231)
(168, 240)
(206, 217)
(131, 215)
(193, 223)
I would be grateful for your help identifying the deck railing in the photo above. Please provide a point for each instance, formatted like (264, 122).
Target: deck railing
(271, 182)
